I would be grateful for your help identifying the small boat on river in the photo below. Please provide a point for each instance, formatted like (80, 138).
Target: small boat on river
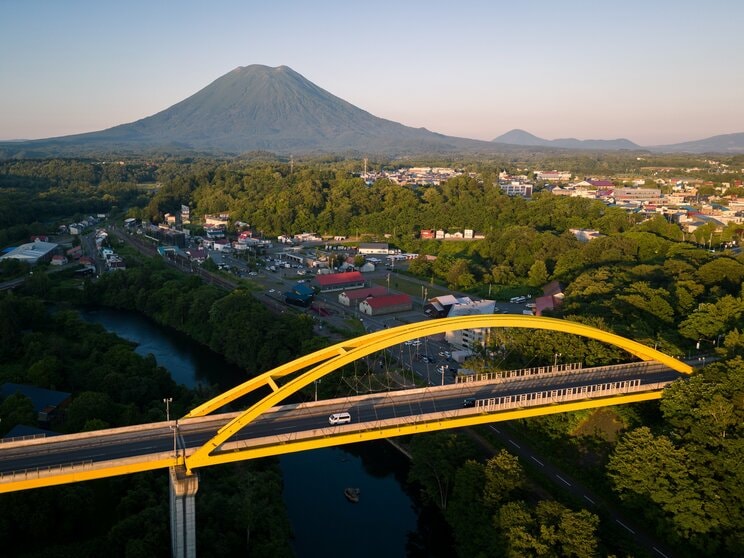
(352, 494)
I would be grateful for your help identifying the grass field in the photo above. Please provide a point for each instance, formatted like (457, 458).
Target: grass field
(404, 284)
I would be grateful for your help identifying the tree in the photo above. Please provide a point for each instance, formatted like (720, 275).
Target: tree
(435, 461)
(503, 475)
(538, 275)
(466, 513)
(17, 409)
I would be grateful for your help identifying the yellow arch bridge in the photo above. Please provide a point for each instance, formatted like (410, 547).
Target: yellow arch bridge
(202, 438)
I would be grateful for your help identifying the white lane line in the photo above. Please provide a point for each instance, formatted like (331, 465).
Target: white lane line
(564, 480)
(625, 526)
(515, 444)
(496, 430)
(537, 461)
(592, 501)
(660, 552)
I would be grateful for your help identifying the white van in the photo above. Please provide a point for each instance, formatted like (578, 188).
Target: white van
(339, 418)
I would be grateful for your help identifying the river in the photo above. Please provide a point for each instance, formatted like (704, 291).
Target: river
(385, 522)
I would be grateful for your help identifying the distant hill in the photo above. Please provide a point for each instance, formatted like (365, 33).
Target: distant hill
(520, 137)
(259, 108)
(726, 143)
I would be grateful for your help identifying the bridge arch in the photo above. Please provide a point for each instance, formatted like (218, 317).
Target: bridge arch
(329, 359)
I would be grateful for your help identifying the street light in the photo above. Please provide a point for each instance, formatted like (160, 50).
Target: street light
(167, 401)
(555, 359)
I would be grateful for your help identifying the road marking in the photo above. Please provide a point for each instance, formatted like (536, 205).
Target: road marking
(625, 526)
(496, 430)
(538, 461)
(660, 552)
(592, 501)
(564, 480)
(515, 444)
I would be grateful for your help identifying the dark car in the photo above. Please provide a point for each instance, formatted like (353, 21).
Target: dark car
(469, 402)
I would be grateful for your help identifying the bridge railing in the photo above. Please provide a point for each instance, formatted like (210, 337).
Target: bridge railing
(556, 370)
(519, 373)
(21, 438)
(564, 395)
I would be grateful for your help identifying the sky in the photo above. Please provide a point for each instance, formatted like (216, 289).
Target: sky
(652, 71)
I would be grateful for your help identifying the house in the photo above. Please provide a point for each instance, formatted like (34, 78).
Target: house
(440, 306)
(74, 253)
(551, 299)
(217, 220)
(58, 260)
(355, 296)
(340, 281)
(301, 294)
(386, 304)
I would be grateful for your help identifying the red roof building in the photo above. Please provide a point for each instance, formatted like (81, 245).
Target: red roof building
(355, 296)
(340, 281)
(386, 304)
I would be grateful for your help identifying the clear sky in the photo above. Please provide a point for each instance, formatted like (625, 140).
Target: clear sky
(652, 71)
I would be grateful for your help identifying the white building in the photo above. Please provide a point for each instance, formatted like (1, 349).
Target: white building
(468, 338)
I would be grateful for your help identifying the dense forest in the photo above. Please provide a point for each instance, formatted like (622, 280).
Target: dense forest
(678, 464)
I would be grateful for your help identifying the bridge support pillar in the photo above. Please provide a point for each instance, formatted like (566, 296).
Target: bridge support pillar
(183, 489)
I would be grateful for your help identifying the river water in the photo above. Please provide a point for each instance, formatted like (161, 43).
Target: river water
(386, 520)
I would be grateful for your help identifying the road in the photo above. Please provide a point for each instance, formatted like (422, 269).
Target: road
(365, 410)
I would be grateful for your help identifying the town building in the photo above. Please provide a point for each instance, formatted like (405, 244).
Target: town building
(386, 304)
(551, 299)
(470, 338)
(440, 306)
(371, 248)
(32, 252)
(340, 281)
(517, 189)
(353, 297)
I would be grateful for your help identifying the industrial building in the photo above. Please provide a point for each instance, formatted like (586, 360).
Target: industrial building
(32, 253)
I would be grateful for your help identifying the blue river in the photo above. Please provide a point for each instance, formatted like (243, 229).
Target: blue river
(385, 522)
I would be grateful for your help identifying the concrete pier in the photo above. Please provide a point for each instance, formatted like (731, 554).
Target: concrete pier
(183, 489)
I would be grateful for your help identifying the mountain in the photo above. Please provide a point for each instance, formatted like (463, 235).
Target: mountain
(520, 137)
(726, 143)
(259, 108)
(276, 110)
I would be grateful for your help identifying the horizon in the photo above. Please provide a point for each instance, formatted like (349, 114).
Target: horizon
(568, 71)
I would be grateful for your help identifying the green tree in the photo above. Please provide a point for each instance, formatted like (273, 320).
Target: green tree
(435, 460)
(503, 475)
(538, 275)
(17, 409)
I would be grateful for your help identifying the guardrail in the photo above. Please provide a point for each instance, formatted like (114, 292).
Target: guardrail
(564, 395)
(520, 373)
(555, 370)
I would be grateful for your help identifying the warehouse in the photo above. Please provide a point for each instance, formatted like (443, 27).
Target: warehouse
(340, 281)
(32, 252)
(386, 304)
